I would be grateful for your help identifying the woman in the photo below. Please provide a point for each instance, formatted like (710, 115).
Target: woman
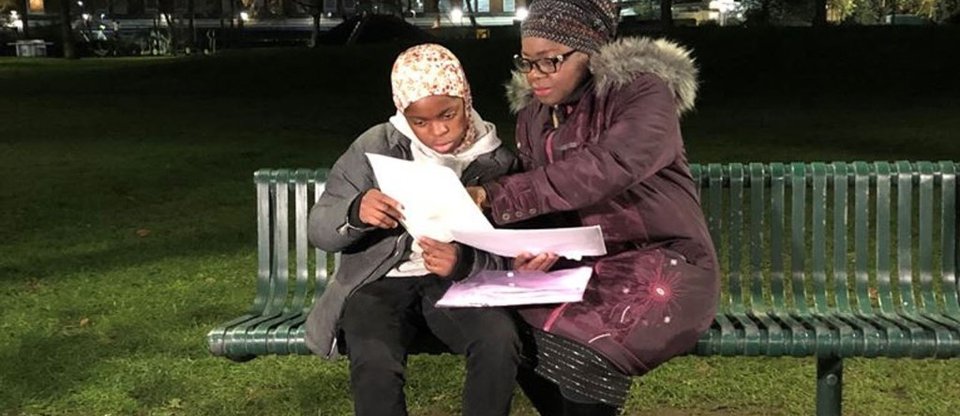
(599, 142)
(383, 295)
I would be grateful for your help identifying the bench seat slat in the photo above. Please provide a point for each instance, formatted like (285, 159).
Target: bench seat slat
(773, 335)
(873, 336)
(847, 340)
(940, 328)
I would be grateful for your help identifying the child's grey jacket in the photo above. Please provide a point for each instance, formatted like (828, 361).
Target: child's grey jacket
(368, 254)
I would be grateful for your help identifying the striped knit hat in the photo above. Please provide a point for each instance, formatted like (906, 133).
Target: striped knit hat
(584, 25)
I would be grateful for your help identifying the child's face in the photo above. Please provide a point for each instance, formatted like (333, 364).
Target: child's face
(439, 121)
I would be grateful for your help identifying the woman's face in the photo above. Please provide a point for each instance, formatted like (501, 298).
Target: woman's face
(439, 121)
(552, 89)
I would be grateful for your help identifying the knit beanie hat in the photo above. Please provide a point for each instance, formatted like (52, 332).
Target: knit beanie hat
(584, 25)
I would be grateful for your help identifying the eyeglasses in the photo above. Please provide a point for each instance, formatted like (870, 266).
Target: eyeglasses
(544, 65)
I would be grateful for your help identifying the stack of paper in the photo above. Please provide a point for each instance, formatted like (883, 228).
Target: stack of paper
(502, 288)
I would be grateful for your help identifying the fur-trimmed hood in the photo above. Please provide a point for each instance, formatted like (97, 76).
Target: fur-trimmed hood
(620, 62)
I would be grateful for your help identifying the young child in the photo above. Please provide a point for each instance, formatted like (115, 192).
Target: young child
(387, 284)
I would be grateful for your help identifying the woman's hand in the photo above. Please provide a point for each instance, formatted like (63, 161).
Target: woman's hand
(540, 263)
(379, 210)
(439, 258)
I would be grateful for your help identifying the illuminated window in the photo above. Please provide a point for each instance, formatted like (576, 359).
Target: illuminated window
(36, 6)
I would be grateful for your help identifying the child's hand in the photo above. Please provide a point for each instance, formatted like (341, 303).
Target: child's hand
(379, 210)
(479, 196)
(440, 258)
(540, 263)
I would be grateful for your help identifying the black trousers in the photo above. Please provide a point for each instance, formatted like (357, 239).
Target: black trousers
(380, 322)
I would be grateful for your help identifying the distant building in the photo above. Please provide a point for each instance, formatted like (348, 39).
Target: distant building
(271, 8)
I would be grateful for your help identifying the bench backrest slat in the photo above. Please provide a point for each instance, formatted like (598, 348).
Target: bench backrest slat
(777, 226)
(798, 234)
(883, 242)
(715, 201)
(302, 250)
(818, 225)
(861, 238)
(925, 247)
(757, 224)
(265, 192)
(735, 211)
(281, 242)
(948, 237)
(841, 218)
(905, 268)
(320, 269)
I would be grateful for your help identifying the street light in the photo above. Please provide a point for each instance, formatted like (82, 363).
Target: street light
(722, 8)
(521, 14)
(244, 16)
(456, 15)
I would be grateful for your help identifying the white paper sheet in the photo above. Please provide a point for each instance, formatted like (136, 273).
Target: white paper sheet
(503, 288)
(436, 205)
(434, 201)
(572, 243)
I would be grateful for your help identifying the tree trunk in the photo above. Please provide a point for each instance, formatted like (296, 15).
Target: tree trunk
(765, 13)
(473, 16)
(315, 35)
(819, 13)
(174, 36)
(25, 18)
(220, 13)
(666, 13)
(193, 29)
(66, 32)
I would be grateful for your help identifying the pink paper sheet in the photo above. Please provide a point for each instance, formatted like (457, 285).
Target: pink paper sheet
(503, 288)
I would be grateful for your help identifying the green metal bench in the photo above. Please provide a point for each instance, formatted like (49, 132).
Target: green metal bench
(825, 260)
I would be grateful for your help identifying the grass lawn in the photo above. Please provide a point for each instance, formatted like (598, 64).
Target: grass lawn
(127, 213)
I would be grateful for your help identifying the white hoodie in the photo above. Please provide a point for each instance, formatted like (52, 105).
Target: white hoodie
(486, 142)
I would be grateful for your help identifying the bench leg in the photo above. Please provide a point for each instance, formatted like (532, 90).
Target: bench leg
(829, 386)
